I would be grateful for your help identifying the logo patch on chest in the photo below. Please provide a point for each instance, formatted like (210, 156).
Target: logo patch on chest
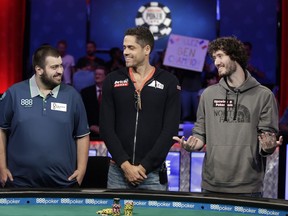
(156, 84)
(221, 103)
(26, 102)
(121, 83)
(59, 107)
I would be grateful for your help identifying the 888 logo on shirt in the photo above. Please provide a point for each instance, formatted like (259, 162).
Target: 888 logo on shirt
(26, 102)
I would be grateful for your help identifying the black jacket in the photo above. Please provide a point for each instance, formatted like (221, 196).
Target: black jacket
(90, 100)
(158, 121)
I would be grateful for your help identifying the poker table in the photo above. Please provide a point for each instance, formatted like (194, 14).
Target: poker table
(87, 202)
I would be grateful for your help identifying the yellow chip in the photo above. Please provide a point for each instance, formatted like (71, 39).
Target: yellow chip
(107, 211)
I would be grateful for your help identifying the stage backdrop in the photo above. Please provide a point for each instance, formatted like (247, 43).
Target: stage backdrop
(254, 21)
(110, 19)
(62, 19)
(52, 20)
(249, 20)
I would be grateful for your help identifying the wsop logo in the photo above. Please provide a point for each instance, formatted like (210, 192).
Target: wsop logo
(156, 17)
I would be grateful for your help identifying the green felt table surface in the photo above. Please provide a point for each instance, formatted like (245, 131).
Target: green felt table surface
(88, 202)
(63, 210)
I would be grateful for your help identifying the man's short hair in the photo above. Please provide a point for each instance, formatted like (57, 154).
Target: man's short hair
(143, 36)
(40, 55)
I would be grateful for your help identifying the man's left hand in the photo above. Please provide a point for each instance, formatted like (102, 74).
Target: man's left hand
(268, 141)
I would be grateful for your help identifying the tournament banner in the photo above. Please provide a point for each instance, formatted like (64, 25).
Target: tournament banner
(186, 52)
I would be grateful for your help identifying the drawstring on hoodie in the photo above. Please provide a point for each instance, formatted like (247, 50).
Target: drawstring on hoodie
(225, 113)
(226, 105)
(248, 84)
(236, 105)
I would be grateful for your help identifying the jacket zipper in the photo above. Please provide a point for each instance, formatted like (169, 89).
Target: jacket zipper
(135, 137)
(136, 124)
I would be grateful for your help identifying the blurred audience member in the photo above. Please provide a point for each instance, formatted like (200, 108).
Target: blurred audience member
(67, 61)
(116, 59)
(158, 62)
(255, 71)
(92, 96)
(91, 55)
(84, 76)
(191, 83)
(209, 79)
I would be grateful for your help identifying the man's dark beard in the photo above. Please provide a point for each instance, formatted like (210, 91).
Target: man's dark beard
(49, 84)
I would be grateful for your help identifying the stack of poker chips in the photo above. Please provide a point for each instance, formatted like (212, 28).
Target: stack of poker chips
(128, 208)
(116, 207)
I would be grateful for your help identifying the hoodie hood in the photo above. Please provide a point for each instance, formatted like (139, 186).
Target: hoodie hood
(248, 84)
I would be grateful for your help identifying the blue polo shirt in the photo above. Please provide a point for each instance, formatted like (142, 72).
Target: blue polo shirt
(41, 148)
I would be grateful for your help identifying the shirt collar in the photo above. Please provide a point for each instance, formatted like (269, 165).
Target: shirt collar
(34, 90)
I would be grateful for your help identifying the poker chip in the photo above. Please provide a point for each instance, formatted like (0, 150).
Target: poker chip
(106, 211)
(128, 208)
(156, 17)
(116, 207)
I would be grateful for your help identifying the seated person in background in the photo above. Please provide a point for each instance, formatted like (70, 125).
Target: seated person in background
(84, 76)
(90, 55)
(116, 59)
(92, 96)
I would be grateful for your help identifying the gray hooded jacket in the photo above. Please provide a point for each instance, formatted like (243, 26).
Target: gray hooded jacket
(229, 122)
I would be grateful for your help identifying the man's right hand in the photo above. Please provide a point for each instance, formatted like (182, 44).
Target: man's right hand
(134, 174)
(192, 143)
(5, 174)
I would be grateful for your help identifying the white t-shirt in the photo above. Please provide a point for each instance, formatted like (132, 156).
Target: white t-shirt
(68, 64)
